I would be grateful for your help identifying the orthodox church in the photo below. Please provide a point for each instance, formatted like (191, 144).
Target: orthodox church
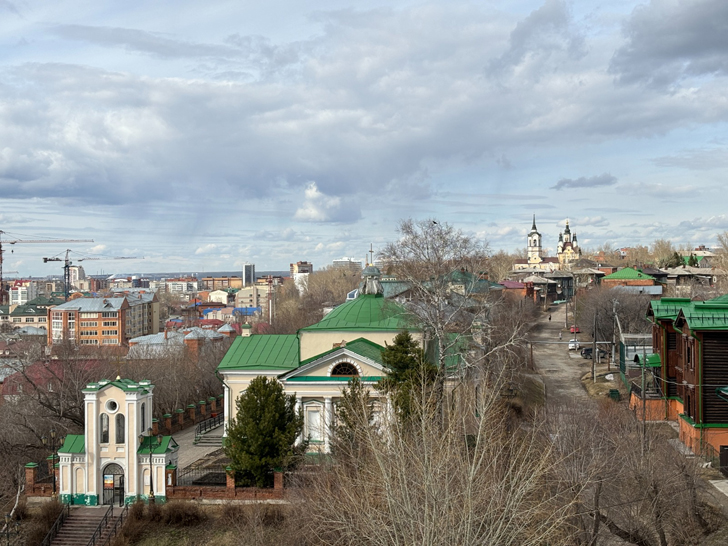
(567, 251)
(117, 459)
(317, 363)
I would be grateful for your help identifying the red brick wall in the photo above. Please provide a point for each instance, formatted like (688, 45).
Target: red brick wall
(185, 492)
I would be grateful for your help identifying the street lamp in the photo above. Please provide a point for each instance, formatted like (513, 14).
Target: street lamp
(16, 532)
(151, 448)
(53, 446)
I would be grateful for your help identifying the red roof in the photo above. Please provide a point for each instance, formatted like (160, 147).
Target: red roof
(512, 284)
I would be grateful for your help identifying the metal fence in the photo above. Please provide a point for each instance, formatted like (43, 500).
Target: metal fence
(201, 476)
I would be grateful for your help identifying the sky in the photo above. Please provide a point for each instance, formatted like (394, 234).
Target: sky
(200, 136)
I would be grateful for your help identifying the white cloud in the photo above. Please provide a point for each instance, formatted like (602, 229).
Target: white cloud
(318, 207)
(206, 249)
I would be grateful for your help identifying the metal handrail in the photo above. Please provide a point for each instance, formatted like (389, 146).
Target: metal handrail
(102, 525)
(65, 511)
(209, 424)
(117, 525)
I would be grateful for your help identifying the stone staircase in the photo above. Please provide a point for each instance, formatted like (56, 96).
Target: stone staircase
(81, 524)
(211, 437)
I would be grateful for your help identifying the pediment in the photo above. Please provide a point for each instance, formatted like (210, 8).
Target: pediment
(321, 367)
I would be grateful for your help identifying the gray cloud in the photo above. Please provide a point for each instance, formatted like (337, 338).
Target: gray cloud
(698, 160)
(372, 104)
(6, 5)
(667, 41)
(543, 32)
(143, 42)
(604, 179)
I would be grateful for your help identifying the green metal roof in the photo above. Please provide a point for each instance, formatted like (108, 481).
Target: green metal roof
(168, 444)
(74, 443)
(668, 308)
(126, 385)
(368, 312)
(310, 378)
(262, 352)
(653, 360)
(705, 315)
(720, 299)
(722, 393)
(628, 274)
(361, 346)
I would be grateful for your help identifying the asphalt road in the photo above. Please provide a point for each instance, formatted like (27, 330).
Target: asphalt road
(560, 368)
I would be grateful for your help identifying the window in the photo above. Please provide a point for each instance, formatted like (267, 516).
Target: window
(89, 315)
(313, 418)
(42, 319)
(144, 417)
(29, 319)
(109, 323)
(104, 428)
(17, 319)
(109, 314)
(88, 333)
(345, 369)
(109, 332)
(89, 324)
(111, 341)
(120, 432)
(89, 341)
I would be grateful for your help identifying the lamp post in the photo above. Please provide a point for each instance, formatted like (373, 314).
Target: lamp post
(151, 448)
(8, 532)
(53, 446)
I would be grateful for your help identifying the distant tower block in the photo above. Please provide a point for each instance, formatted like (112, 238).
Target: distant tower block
(248, 274)
(301, 267)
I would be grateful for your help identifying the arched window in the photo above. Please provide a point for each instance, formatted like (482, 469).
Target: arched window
(104, 427)
(120, 432)
(144, 418)
(345, 369)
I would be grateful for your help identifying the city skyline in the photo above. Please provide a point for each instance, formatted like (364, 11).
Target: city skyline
(202, 139)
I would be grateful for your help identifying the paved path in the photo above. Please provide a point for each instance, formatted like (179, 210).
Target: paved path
(188, 451)
(560, 368)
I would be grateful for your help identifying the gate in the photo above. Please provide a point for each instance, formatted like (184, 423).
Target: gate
(113, 485)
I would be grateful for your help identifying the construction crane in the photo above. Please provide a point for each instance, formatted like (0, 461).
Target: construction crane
(23, 241)
(67, 263)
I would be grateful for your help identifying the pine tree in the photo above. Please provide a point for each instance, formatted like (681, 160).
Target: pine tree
(262, 436)
(408, 372)
(354, 421)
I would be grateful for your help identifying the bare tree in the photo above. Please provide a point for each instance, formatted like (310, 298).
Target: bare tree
(474, 482)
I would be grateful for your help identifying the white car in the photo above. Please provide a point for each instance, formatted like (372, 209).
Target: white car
(573, 344)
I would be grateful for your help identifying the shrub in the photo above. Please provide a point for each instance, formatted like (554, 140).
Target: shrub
(136, 510)
(154, 512)
(40, 525)
(184, 514)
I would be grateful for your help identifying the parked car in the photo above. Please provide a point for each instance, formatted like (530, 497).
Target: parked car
(573, 344)
(574, 329)
(586, 352)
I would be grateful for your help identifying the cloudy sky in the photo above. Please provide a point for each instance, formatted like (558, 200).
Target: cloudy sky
(202, 135)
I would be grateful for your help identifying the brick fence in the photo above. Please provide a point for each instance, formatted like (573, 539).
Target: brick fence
(229, 491)
(35, 487)
(185, 418)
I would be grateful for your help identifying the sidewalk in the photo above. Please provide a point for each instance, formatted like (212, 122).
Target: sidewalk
(188, 451)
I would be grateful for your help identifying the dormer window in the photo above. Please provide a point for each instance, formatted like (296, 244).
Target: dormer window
(344, 369)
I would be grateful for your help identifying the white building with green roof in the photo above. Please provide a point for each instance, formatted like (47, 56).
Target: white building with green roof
(110, 462)
(316, 363)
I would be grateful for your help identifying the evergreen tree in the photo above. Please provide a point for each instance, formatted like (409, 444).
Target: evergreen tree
(262, 436)
(354, 421)
(693, 261)
(408, 372)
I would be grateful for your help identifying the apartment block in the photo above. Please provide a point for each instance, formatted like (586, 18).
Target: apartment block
(104, 321)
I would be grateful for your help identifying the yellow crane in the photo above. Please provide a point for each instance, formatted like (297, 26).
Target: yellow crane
(3, 292)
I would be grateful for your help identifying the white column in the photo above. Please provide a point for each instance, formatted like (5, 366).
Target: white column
(299, 408)
(328, 422)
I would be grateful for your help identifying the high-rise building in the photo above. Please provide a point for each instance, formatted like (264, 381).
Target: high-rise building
(248, 274)
(301, 267)
(348, 263)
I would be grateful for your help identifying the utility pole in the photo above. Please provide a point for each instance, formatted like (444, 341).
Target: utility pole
(594, 350)
(644, 400)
